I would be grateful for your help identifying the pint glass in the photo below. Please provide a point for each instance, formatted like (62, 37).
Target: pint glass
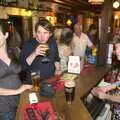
(69, 91)
(35, 80)
(45, 48)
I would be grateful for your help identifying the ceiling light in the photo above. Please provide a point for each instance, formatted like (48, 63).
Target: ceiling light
(95, 1)
(69, 22)
(116, 4)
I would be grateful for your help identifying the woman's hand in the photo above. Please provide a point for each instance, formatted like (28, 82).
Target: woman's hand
(102, 95)
(99, 92)
(41, 49)
(95, 91)
(23, 88)
(103, 89)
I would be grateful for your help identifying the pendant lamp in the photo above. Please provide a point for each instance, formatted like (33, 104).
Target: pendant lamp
(95, 1)
(116, 4)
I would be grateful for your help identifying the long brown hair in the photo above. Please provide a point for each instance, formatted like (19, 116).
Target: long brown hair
(4, 26)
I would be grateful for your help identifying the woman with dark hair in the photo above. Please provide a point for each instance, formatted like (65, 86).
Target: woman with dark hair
(103, 92)
(33, 52)
(10, 84)
(92, 34)
(91, 52)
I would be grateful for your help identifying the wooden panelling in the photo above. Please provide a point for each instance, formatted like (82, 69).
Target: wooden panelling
(75, 5)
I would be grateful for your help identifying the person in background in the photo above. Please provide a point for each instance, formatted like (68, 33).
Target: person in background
(64, 37)
(33, 52)
(90, 52)
(10, 84)
(102, 92)
(57, 33)
(15, 42)
(80, 21)
(92, 34)
(116, 35)
(80, 42)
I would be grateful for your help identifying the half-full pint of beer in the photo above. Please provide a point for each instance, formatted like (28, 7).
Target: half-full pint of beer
(69, 91)
(35, 80)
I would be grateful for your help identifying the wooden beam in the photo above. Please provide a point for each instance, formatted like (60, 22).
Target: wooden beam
(72, 3)
(58, 2)
(76, 6)
(105, 24)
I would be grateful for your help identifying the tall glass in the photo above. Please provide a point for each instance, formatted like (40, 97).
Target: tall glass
(69, 91)
(35, 76)
(45, 48)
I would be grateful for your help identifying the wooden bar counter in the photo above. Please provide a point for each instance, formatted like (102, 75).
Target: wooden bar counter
(76, 111)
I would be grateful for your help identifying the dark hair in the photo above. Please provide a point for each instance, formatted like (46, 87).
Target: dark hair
(66, 36)
(4, 27)
(92, 27)
(45, 24)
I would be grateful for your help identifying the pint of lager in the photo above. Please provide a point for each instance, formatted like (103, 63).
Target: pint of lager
(35, 80)
(69, 91)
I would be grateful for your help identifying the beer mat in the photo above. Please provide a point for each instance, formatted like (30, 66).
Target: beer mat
(54, 79)
(39, 111)
(87, 68)
(58, 85)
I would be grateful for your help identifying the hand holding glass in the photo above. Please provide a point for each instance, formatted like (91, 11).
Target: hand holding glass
(44, 48)
(45, 52)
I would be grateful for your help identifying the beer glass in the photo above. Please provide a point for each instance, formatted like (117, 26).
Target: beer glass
(69, 91)
(45, 58)
(35, 76)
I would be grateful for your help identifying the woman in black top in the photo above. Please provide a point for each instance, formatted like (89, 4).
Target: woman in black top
(31, 57)
(10, 84)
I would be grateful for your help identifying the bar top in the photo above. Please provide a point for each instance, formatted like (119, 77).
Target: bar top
(77, 111)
